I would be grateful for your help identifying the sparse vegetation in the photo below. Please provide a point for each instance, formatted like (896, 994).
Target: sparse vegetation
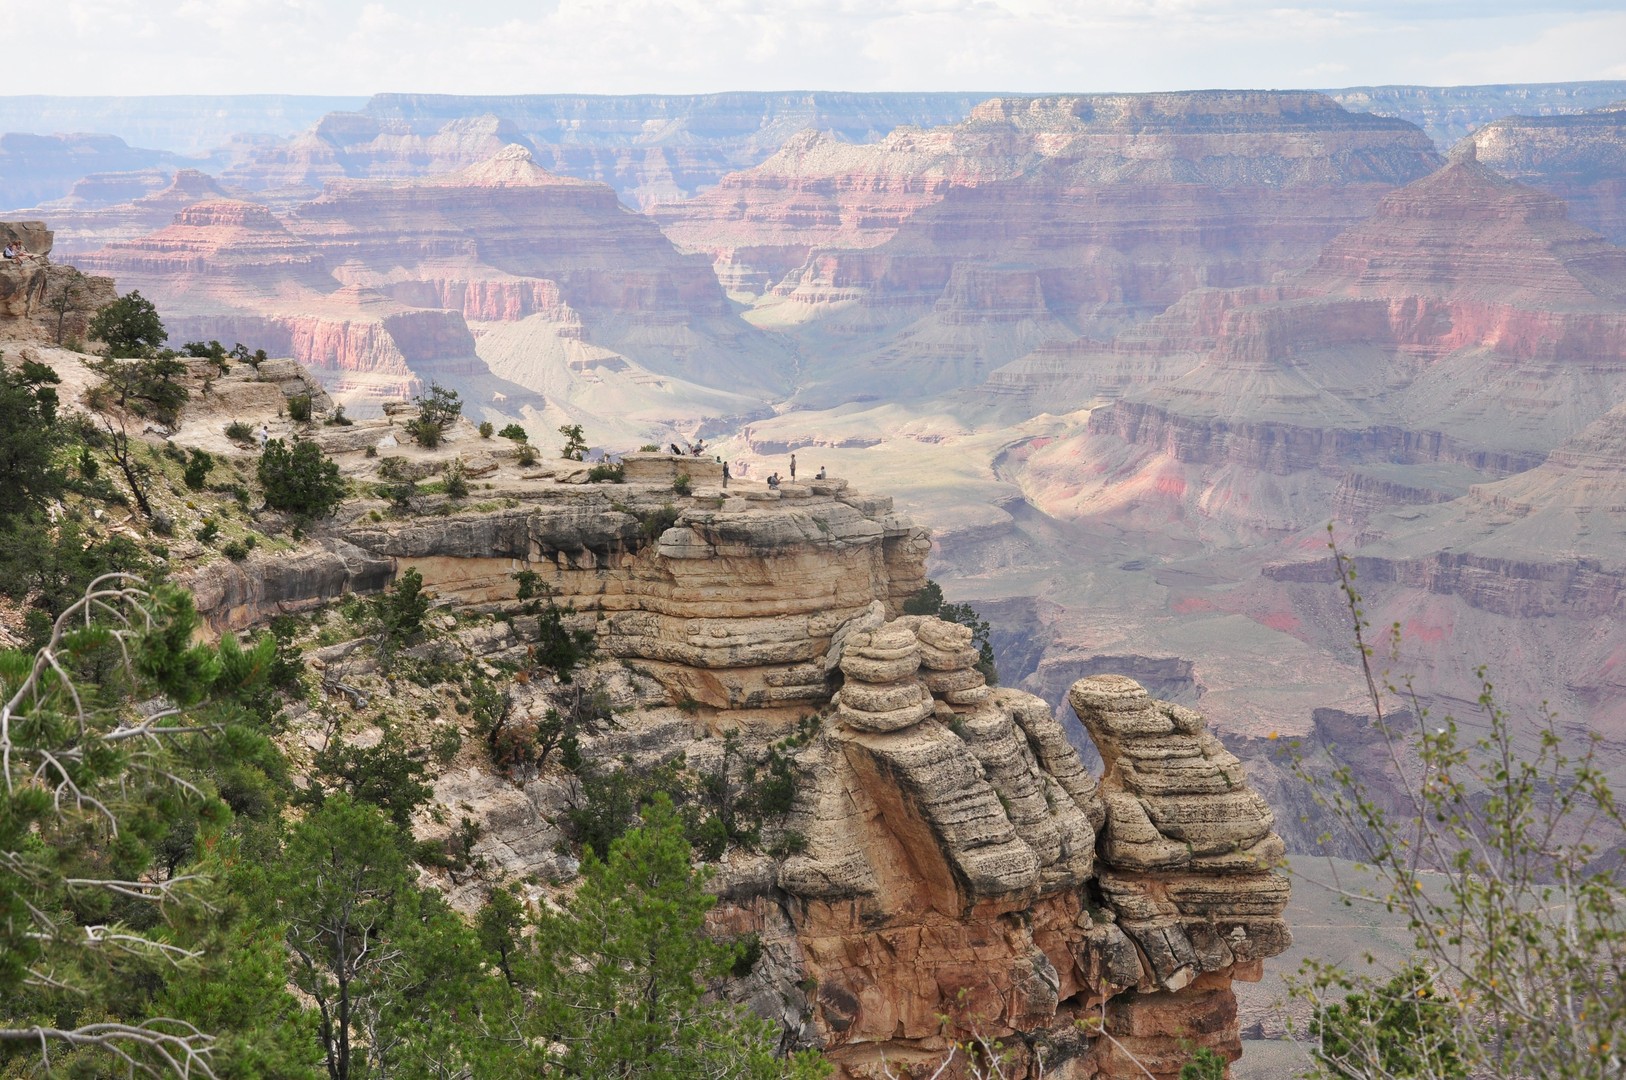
(608, 472)
(575, 447)
(929, 601)
(437, 411)
(487, 428)
(299, 408)
(681, 485)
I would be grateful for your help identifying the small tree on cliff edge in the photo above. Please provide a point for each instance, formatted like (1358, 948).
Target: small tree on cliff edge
(929, 601)
(129, 328)
(1507, 867)
(575, 447)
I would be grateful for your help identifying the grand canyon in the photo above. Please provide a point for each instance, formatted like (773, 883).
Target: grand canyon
(1114, 369)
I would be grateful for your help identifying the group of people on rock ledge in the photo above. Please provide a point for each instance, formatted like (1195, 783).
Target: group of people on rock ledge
(16, 252)
(773, 479)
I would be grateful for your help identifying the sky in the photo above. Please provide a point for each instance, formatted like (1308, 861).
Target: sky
(136, 47)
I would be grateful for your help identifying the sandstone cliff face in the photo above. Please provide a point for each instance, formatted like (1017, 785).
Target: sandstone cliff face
(962, 863)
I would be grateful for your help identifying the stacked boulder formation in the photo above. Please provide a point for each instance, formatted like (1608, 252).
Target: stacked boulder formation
(961, 863)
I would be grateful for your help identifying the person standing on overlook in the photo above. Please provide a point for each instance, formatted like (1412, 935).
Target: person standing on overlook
(793, 466)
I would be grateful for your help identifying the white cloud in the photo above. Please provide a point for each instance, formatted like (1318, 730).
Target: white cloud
(687, 46)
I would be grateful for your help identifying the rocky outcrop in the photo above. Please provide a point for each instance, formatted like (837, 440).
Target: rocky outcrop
(961, 863)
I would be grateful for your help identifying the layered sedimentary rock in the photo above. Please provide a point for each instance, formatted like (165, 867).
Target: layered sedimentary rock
(731, 606)
(501, 280)
(505, 241)
(229, 270)
(961, 863)
(1579, 157)
(1036, 219)
(86, 221)
(650, 148)
(1536, 562)
(1468, 322)
(1452, 113)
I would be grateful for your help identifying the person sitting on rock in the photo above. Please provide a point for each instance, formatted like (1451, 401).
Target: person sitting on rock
(674, 448)
(15, 250)
(820, 474)
(11, 251)
(773, 480)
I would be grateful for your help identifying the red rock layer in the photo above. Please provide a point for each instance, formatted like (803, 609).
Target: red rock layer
(231, 271)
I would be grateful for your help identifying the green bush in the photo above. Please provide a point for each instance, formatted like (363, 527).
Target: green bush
(649, 448)
(514, 432)
(197, 469)
(613, 473)
(300, 479)
(652, 524)
(457, 484)
(129, 328)
(486, 429)
(437, 411)
(527, 455)
(299, 408)
(239, 432)
(207, 532)
(338, 419)
(682, 485)
(575, 447)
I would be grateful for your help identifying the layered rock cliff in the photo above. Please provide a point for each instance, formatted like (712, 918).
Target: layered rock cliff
(1468, 322)
(649, 148)
(1579, 157)
(935, 257)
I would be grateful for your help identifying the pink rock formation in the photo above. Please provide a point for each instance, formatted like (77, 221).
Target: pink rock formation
(85, 224)
(1467, 321)
(230, 270)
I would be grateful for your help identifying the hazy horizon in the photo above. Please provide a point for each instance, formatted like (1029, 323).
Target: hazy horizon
(357, 48)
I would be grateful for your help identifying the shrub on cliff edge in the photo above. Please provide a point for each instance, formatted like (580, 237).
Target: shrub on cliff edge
(300, 479)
